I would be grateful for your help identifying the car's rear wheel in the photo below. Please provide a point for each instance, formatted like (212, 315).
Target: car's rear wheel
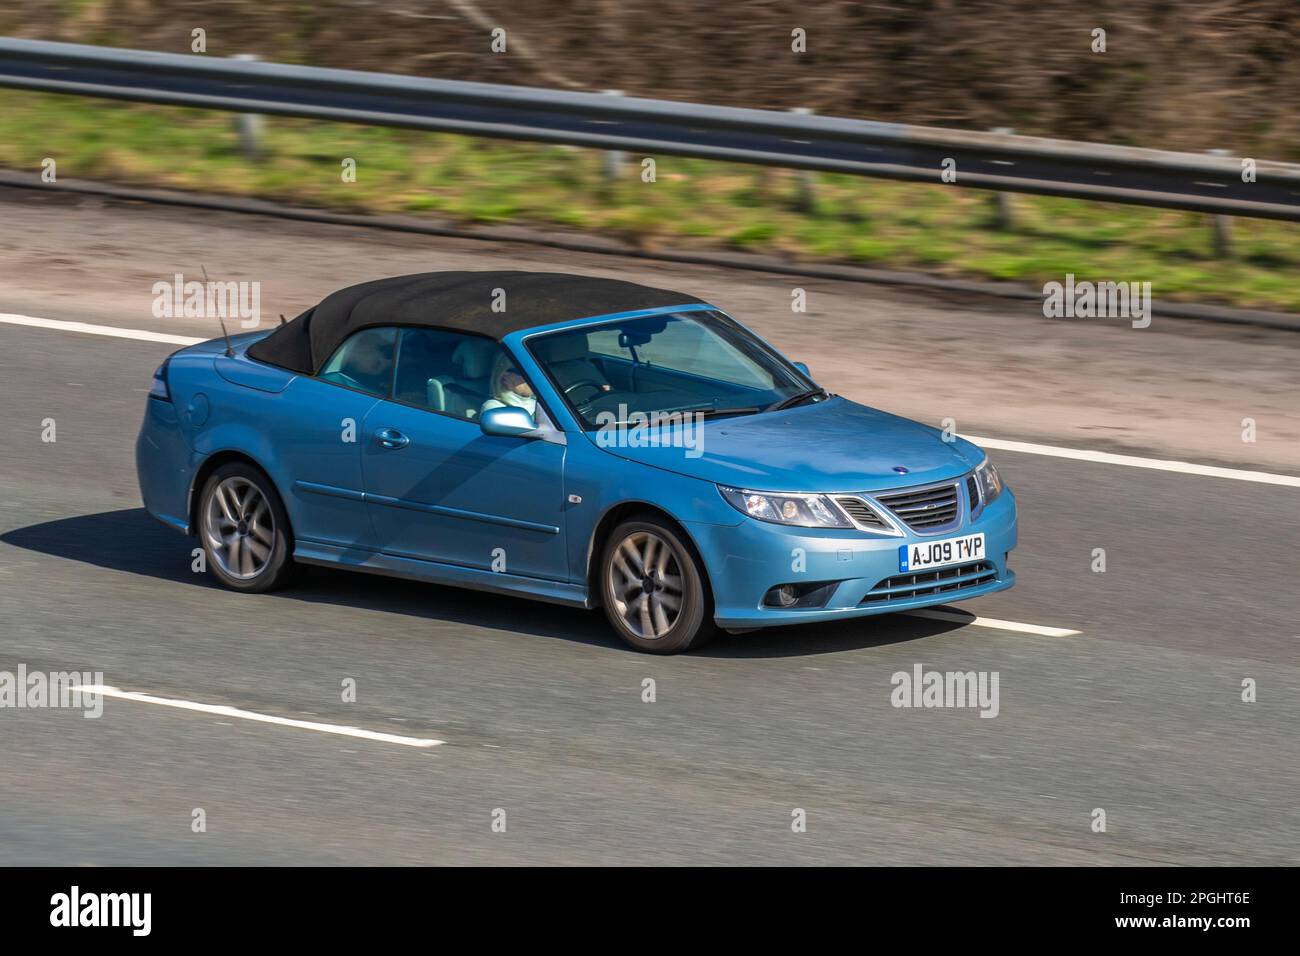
(653, 588)
(244, 529)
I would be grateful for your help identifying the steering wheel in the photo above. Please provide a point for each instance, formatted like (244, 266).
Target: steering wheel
(586, 382)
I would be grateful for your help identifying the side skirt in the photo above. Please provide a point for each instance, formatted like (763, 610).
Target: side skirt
(415, 569)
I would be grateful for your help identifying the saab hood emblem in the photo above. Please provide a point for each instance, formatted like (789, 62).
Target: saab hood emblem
(900, 469)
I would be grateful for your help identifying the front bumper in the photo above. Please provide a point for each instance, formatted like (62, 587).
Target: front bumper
(746, 560)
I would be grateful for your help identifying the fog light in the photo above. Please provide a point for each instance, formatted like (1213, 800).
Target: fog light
(784, 596)
(809, 594)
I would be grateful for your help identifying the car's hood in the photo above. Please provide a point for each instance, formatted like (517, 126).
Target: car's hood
(836, 445)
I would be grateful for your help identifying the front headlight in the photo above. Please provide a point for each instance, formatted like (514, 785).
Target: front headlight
(989, 481)
(806, 511)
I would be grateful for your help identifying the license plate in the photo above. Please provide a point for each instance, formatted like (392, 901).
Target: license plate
(940, 554)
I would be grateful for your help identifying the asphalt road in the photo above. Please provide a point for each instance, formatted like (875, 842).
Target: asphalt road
(540, 708)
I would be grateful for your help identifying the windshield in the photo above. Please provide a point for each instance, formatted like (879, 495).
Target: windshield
(679, 362)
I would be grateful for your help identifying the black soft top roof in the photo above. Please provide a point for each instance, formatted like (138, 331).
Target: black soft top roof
(461, 301)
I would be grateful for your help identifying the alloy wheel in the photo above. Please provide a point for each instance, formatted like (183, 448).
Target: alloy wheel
(240, 528)
(645, 580)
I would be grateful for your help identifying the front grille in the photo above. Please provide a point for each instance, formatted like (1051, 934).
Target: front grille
(902, 587)
(862, 513)
(928, 509)
(973, 492)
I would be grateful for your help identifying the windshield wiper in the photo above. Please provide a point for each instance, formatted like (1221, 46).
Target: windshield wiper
(661, 417)
(710, 412)
(795, 399)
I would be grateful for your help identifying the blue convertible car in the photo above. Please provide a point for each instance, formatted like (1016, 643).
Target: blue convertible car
(578, 440)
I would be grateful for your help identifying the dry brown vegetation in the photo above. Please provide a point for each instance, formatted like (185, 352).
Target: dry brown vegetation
(1178, 75)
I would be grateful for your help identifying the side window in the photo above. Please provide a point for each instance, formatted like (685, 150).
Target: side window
(457, 374)
(364, 362)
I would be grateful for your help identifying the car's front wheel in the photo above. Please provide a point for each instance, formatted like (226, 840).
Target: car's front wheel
(653, 588)
(244, 529)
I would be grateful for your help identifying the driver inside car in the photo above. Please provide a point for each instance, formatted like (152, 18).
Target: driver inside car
(512, 391)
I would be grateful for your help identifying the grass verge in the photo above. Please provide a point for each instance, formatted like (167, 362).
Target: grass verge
(945, 230)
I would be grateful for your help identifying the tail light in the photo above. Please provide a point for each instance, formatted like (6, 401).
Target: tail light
(159, 387)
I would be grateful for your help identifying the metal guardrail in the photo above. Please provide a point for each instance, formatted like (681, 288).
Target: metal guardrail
(1190, 181)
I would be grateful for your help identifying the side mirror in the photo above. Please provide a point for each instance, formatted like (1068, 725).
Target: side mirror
(803, 368)
(505, 420)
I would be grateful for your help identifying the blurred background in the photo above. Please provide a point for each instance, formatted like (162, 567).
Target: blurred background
(1176, 75)
(1193, 77)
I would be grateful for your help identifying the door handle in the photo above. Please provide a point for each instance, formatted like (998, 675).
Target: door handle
(392, 438)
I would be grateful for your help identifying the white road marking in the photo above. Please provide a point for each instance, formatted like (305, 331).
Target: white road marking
(1133, 461)
(225, 711)
(91, 329)
(993, 622)
(997, 444)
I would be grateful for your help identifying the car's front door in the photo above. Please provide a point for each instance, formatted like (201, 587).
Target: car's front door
(438, 488)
